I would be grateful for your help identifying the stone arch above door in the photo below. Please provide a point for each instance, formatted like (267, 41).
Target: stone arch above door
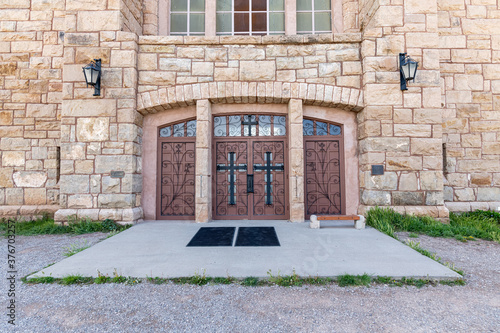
(237, 92)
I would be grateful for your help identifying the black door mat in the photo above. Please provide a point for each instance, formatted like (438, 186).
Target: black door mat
(257, 236)
(213, 236)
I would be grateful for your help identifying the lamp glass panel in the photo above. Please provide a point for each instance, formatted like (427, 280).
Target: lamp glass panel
(413, 70)
(95, 75)
(88, 74)
(406, 70)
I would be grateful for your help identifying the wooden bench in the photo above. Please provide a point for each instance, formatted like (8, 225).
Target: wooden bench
(359, 220)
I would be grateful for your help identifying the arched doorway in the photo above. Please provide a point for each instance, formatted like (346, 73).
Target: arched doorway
(176, 171)
(324, 168)
(250, 167)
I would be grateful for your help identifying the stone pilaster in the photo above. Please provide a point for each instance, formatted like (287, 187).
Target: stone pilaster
(296, 161)
(401, 130)
(203, 201)
(100, 135)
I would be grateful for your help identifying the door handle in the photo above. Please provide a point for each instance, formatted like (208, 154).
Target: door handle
(249, 183)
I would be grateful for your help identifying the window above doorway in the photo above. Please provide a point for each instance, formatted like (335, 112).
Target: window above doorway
(249, 17)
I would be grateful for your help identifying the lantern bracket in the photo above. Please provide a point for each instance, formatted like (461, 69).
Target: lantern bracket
(408, 65)
(92, 73)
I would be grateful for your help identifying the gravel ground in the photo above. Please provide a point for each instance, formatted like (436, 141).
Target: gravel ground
(231, 308)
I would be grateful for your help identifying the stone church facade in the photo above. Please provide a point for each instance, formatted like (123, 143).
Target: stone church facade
(248, 109)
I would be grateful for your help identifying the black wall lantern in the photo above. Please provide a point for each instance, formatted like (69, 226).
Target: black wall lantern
(92, 74)
(407, 69)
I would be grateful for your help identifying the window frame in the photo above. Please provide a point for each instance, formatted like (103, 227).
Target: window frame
(211, 9)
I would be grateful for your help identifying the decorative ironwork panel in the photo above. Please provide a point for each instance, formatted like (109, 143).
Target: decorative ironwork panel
(231, 179)
(249, 125)
(323, 177)
(279, 125)
(264, 125)
(269, 178)
(313, 127)
(177, 172)
(220, 126)
(180, 130)
(234, 125)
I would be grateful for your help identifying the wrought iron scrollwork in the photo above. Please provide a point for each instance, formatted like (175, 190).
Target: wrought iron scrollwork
(177, 178)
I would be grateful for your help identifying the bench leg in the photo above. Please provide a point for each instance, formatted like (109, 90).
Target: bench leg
(314, 224)
(360, 224)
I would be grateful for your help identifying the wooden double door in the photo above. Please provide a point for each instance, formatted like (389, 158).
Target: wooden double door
(250, 179)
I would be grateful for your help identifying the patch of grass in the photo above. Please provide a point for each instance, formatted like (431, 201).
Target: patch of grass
(74, 279)
(413, 235)
(383, 280)
(37, 280)
(157, 280)
(47, 226)
(479, 224)
(316, 280)
(458, 282)
(196, 279)
(75, 248)
(354, 280)
(285, 280)
(250, 281)
(223, 280)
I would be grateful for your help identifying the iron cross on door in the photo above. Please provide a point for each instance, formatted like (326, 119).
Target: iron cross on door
(268, 167)
(232, 168)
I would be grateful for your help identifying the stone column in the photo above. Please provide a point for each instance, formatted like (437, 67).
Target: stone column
(203, 201)
(100, 135)
(296, 161)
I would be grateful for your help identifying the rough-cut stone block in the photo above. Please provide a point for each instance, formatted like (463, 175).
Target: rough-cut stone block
(385, 144)
(260, 71)
(408, 198)
(116, 200)
(411, 163)
(106, 164)
(89, 108)
(383, 94)
(30, 178)
(387, 181)
(74, 184)
(13, 158)
(80, 201)
(375, 198)
(98, 20)
(488, 194)
(92, 129)
(177, 65)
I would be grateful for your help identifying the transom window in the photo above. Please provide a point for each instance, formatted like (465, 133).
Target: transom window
(313, 127)
(250, 125)
(250, 17)
(314, 16)
(187, 17)
(185, 129)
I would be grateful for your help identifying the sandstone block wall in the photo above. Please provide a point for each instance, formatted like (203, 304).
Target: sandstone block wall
(31, 58)
(401, 130)
(469, 48)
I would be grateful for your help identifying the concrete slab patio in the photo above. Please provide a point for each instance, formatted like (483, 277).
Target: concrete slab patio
(158, 249)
